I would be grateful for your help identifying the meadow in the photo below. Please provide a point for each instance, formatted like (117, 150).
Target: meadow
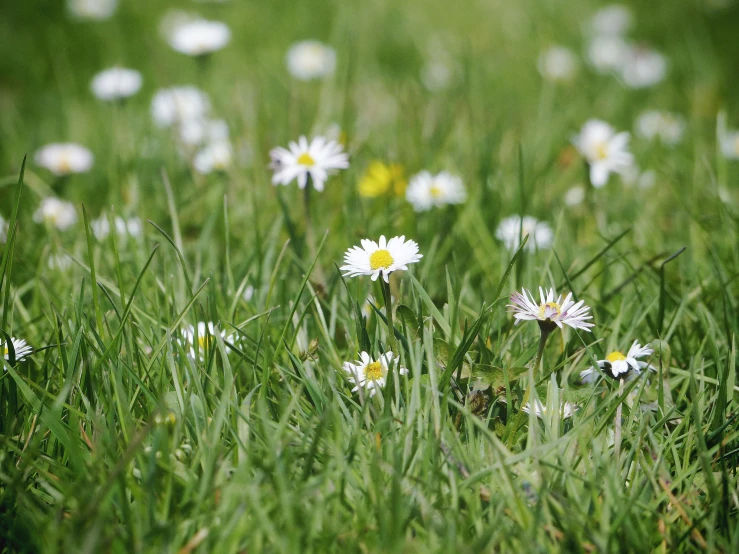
(209, 346)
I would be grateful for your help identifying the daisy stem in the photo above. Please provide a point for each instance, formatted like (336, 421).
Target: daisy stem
(540, 351)
(617, 431)
(309, 237)
(389, 314)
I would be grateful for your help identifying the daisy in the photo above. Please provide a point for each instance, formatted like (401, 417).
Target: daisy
(437, 75)
(178, 105)
(59, 213)
(512, 228)
(380, 259)
(197, 131)
(664, 126)
(116, 83)
(643, 67)
(214, 157)
(20, 347)
(371, 375)
(123, 227)
(617, 366)
(574, 196)
(611, 20)
(426, 191)
(92, 9)
(199, 37)
(642, 179)
(205, 338)
(310, 59)
(605, 150)
(557, 64)
(607, 53)
(317, 160)
(550, 312)
(64, 158)
(540, 410)
(382, 178)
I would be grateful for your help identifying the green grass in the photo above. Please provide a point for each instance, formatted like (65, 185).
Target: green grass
(113, 439)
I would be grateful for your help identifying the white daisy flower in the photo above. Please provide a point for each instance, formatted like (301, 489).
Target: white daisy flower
(664, 126)
(512, 228)
(178, 105)
(116, 83)
(371, 375)
(20, 347)
(214, 157)
(574, 196)
(59, 213)
(4, 228)
(248, 293)
(203, 131)
(317, 160)
(92, 9)
(205, 339)
(310, 59)
(426, 191)
(642, 179)
(437, 75)
(199, 37)
(557, 63)
(607, 53)
(605, 150)
(611, 20)
(617, 366)
(64, 158)
(729, 144)
(123, 227)
(643, 67)
(540, 410)
(59, 262)
(550, 312)
(380, 259)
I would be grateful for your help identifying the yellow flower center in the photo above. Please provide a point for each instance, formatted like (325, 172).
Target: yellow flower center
(548, 307)
(306, 159)
(435, 191)
(615, 357)
(373, 371)
(203, 342)
(601, 151)
(380, 259)
(64, 165)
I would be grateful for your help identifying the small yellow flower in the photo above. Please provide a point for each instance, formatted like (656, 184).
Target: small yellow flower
(382, 178)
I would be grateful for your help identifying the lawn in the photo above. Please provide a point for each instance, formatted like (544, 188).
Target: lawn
(487, 304)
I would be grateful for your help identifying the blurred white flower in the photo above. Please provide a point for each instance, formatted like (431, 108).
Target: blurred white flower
(557, 63)
(217, 156)
(59, 262)
(426, 191)
(178, 105)
(248, 293)
(607, 53)
(59, 213)
(21, 349)
(380, 258)
(116, 83)
(643, 67)
(512, 228)
(617, 365)
(665, 126)
(200, 340)
(64, 158)
(371, 375)
(642, 179)
(614, 19)
(203, 131)
(316, 159)
(92, 9)
(310, 59)
(437, 75)
(575, 195)
(123, 227)
(605, 150)
(199, 37)
(565, 410)
(728, 139)
(4, 227)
